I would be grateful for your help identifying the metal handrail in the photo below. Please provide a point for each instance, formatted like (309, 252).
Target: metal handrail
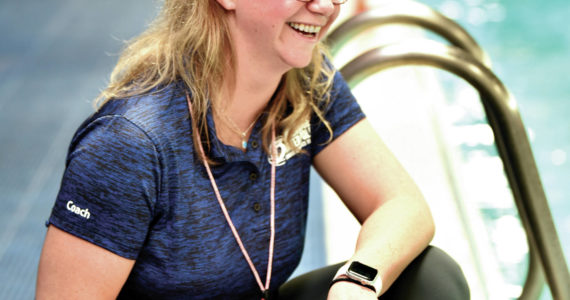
(410, 13)
(512, 143)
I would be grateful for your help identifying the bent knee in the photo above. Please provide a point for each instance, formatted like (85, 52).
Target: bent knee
(431, 275)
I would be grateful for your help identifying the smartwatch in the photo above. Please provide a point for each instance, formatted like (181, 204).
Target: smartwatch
(361, 274)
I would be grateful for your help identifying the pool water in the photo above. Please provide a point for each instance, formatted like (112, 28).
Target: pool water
(528, 42)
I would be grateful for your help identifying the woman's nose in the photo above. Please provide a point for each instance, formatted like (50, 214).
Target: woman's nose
(323, 7)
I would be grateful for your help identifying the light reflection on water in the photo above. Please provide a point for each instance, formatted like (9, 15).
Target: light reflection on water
(529, 45)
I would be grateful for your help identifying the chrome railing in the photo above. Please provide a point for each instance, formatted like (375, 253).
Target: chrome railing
(468, 61)
(408, 13)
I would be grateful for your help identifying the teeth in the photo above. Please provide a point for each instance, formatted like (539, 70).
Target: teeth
(305, 27)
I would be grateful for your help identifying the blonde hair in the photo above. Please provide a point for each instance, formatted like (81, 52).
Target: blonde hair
(189, 41)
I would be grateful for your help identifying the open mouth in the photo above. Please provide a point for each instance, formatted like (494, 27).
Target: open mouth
(305, 29)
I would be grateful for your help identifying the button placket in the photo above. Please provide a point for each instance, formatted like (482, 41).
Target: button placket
(259, 185)
(254, 144)
(253, 176)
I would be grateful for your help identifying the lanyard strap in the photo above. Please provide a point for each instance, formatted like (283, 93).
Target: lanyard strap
(264, 289)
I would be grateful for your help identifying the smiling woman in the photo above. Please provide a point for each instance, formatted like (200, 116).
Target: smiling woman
(195, 170)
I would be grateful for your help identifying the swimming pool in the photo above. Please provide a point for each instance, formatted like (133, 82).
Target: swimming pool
(529, 45)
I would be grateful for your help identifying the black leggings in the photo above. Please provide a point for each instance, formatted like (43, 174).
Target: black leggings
(432, 275)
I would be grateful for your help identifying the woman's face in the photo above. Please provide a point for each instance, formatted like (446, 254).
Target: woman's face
(279, 33)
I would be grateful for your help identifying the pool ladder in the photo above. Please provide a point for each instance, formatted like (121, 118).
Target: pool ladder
(467, 60)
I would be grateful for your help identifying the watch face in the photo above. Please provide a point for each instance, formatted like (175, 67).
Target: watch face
(363, 271)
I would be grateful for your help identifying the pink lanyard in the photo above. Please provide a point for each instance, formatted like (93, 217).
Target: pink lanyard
(264, 290)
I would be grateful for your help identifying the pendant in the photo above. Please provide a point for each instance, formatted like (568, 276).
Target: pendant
(244, 144)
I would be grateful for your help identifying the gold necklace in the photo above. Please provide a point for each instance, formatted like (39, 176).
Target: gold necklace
(236, 129)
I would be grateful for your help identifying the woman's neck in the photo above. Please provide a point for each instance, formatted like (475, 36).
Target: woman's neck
(244, 95)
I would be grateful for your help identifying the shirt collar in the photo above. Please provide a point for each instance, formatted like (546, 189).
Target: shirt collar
(225, 154)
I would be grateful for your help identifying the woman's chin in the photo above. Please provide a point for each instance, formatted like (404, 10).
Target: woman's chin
(298, 62)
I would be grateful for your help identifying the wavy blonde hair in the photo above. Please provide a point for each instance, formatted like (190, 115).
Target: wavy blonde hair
(189, 41)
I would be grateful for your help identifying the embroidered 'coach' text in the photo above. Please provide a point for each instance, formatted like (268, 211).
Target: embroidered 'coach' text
(77, 210)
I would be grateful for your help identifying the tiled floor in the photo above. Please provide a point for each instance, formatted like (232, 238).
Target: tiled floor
(54, 57)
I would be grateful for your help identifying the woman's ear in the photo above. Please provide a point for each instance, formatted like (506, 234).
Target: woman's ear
(227, 4)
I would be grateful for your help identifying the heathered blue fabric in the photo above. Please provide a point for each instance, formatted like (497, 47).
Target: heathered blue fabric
(144, 195)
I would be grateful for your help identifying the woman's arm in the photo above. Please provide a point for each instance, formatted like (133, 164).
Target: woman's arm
(396, 222)
(72, 268)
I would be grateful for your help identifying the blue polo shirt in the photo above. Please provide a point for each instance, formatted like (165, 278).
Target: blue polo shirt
(134, 185)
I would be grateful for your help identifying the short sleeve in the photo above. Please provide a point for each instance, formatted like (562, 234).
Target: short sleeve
(342, 113)
(109, 187)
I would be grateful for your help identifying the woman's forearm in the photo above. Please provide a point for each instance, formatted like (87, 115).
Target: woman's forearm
(393, 235)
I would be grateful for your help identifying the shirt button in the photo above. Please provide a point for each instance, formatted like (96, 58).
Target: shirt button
(254, 144)
(256, 206)
(253, 176)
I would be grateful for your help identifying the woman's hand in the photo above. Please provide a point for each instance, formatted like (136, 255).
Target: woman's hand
(343, 290)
